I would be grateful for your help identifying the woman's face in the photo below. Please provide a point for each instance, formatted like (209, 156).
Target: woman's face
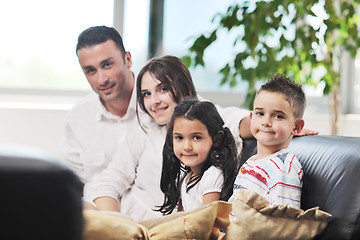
(158, 99)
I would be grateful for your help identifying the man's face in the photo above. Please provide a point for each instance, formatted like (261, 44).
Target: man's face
(105, 69)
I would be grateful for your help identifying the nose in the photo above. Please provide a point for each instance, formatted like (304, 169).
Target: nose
(155, 99)
(187, 145)
(103, 78)
(266, 122)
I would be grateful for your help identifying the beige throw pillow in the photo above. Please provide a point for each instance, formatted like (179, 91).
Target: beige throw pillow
(202, 223)
(100, 225)
(254, 218)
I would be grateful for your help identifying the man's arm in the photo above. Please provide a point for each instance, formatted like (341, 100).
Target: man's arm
(244, 128)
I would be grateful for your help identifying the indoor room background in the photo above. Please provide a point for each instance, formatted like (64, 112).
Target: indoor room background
(40, 78)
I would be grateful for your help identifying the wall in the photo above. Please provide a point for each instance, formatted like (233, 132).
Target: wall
(39, 128)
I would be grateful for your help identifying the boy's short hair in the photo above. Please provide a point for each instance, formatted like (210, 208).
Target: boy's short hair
(292, 92)
(100, 34)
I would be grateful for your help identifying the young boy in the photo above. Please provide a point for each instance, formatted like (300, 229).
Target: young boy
(274, 172)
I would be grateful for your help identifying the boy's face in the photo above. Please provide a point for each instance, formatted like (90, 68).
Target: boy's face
(272, 120)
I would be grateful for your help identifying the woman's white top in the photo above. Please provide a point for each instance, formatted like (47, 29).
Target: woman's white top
(133, 177)
(211, 181)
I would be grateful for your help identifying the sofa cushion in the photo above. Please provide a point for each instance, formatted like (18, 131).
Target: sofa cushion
(111, 226)
(254, 218)
(202, 223)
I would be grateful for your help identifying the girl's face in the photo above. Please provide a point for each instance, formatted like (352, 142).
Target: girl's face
(191, 142)
(272, 120)
(158, 99)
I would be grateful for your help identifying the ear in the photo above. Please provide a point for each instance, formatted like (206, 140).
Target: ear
(299, 125)
(218, 138)
(251, 114)
(128, 61)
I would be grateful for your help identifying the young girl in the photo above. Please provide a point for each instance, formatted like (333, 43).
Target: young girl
(199, 158)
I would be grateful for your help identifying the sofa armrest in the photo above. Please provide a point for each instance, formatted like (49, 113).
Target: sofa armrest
(331, 167)
(40, 198)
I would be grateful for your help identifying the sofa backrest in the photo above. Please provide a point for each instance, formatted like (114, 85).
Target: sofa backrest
(40, 198)
(331, 166)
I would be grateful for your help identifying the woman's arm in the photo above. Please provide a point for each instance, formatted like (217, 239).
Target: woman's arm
(107, 204)
(118, 176)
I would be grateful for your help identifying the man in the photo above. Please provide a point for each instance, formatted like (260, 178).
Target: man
(98, 123)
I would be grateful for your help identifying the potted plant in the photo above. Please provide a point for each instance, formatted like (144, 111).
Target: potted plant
(301, 39)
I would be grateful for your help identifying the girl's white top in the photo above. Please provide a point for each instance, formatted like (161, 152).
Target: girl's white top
(211, 181)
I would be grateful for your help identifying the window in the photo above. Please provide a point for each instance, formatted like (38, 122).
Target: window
(38, 42)
(184, 20)
(39, 37)
(136, 31)
(356, 86)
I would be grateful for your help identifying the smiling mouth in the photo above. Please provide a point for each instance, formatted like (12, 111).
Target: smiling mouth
(107, 89)
(159, 110)
(268, 132)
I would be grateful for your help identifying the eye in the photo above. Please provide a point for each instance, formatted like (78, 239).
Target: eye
(197, 138)
(279, 116)
(260, 114)
(163, 89)
(178, 138)
(107, 65)
(89, 71)
(145, 94)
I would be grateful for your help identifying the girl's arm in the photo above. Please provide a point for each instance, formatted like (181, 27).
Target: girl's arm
(211, 197)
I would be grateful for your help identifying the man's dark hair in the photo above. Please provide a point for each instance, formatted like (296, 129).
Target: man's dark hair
(100, 34)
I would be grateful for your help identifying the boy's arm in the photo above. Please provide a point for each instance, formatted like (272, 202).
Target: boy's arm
(244, 128)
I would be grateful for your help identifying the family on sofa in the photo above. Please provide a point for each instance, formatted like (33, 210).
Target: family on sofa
(149, 147)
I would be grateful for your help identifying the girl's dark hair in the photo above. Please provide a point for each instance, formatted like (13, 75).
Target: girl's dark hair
(222, 155)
